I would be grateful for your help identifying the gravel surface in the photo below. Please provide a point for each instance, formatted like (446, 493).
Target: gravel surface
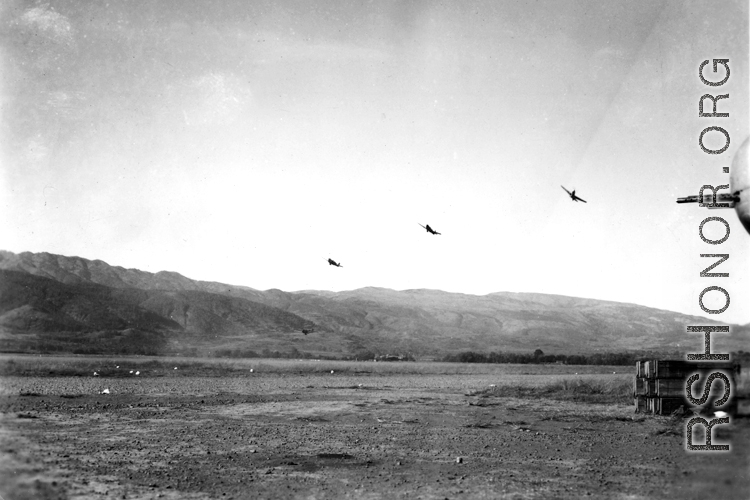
(330, 436)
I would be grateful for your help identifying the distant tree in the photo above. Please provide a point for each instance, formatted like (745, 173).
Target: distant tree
(538, 353)
(365, 355)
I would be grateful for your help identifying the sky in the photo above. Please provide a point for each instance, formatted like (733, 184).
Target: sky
(247, 142)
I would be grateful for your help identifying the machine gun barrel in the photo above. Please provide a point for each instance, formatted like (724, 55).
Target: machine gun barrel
(708, 199)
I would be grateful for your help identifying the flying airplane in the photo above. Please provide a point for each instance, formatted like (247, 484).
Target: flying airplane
(573, 195)
(429, 229)
(738, 196)
(334, 263)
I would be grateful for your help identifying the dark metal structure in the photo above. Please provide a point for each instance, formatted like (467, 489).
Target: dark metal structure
(659, 384)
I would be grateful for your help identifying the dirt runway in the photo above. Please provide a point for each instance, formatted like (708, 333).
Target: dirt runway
(369, 437)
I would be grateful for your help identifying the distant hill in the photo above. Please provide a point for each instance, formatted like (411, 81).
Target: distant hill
(75, 271)
(41, 312)
(45, 296)
(425, 320)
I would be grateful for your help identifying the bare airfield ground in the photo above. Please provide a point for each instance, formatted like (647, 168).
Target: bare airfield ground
(352, 435)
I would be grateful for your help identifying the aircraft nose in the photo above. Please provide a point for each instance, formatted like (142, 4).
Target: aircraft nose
(739, 180)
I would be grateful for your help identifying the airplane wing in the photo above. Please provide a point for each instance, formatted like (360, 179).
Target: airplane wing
(581, 199)
(566, 190)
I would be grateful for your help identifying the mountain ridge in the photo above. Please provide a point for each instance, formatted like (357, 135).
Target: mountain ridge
(427, 322)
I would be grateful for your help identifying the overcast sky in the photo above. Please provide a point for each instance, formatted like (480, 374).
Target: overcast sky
(247, 142)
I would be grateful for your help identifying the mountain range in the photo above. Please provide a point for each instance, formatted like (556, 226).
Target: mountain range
(52, 302)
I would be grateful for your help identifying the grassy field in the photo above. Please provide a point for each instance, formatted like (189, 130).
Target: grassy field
(45, 365)
(582, 383)
(72, 375)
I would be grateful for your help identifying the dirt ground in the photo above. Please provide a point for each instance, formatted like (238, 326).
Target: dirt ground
(319, 436)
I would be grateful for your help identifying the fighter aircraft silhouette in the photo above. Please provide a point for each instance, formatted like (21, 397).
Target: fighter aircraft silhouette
(429, 229)
(573, 195)
(334, 263)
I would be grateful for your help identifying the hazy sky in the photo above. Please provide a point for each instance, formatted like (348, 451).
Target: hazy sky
(246, 142)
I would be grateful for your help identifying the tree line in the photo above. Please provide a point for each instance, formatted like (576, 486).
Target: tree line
(538, 357)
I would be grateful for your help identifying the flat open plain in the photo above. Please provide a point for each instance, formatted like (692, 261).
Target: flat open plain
(364, 431)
